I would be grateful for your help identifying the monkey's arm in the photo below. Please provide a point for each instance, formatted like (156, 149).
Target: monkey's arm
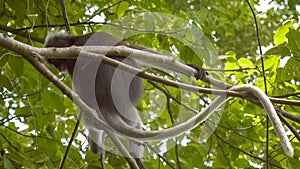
(201, 73)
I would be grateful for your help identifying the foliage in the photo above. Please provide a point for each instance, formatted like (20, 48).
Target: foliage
(37, 120)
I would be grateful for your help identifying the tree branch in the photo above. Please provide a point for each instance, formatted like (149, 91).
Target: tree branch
(148, 58)
(19, 32)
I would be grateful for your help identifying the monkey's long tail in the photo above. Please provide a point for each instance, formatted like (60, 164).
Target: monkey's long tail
(121, 127)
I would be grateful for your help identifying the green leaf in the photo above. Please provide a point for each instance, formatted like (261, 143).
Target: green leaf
(242, 163)
(74, 155)
(231, 63)
(122, 8)
(245, 63)
(279, 37)
(4, 82)
(47, 146)
(16, 64)
(294, 41)
(230, 56)
(7, 163)
(186, 54)
(52, 100)
(3, 60)
(270, 62)
(22, 111)
(280, 50)
(293, 163)
(199, 16)
(291, 69)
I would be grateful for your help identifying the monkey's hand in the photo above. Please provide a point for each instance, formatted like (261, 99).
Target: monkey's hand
(201, 73)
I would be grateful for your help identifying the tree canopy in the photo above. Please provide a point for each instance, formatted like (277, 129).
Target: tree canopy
(38, 120)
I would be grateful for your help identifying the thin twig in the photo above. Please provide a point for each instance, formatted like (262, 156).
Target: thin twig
(64, 11)
(70, 143)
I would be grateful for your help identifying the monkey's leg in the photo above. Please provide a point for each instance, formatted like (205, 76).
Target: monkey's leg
(136, 148)
(96, 140)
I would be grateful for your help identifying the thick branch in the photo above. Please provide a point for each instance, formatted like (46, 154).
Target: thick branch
(148, 58)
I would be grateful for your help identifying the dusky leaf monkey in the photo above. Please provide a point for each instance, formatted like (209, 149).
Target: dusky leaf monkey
(112, 92)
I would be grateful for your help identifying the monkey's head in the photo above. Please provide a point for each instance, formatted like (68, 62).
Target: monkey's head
(60, 40)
